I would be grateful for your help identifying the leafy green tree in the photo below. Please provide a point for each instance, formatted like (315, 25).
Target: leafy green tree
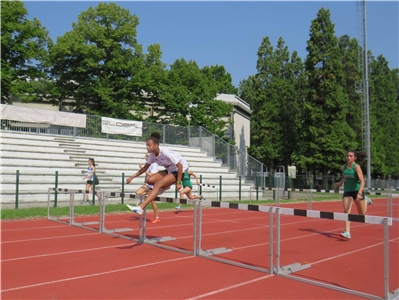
(384, 118)
(349, 50)
(101, 65)
(23, 50)
(184, 83)
(247, 90)
(222, 79)
(276, 94)
(325, 134)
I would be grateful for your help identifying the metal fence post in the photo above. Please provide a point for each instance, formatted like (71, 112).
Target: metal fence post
(239, 188)
(201, 185)
(257, 188)
(17, 190)
(94, 188)
(220, 188)
(123, 187)
(56, 186)
(213, 145)
(228, 156)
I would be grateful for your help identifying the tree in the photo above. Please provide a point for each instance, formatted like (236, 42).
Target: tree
(384, 117)
(275, 94)
(349, 50)
(247, 90)
(184, 83)
(101, 65)
(23, 51)
(222, 79)
(325, 134)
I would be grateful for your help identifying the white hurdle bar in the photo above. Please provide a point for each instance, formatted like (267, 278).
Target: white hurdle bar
(284, 271)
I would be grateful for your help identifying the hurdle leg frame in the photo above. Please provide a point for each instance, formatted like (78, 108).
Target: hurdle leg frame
(143, 237)
(82, 224)
(295, 267)
(113, 232)
(284, 271)
(156, 241)
(208, 253)
(57, 219)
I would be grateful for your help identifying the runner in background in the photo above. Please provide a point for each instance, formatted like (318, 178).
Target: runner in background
(352, 176)
(145, 189)
(187, 188)
(89, 183)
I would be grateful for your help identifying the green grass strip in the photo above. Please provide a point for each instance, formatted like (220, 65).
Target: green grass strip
(41, 212)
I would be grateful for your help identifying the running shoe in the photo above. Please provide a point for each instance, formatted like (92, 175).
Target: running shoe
(178, 207)
(346, 235)
(202, 197)
(137, 209)
(368, 200)
(155, 221)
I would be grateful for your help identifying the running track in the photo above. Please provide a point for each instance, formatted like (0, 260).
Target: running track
(47, 260)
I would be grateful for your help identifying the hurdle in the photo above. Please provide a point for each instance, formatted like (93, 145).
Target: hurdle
(72, 212)
(58, 219)
(208, 253)
(115, 232)
(286, 270)
(209, 186)
(142, 223)
(156, 241)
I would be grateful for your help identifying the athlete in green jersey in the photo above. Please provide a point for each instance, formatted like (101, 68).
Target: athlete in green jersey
(352, 175)
(187, 187)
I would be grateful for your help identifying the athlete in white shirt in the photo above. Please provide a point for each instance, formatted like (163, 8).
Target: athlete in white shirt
(174, 164)
(146, 188)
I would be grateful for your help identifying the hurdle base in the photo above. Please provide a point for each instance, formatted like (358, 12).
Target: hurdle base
(116, 230)
(160, 239)
(394, 294)
(295, 267)
(58, 218)
(86, 223)
(214, 251)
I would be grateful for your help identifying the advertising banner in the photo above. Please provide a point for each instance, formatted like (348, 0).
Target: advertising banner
(117, 126)
(35, 115)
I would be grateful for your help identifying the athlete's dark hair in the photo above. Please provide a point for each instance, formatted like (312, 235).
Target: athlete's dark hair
(360, 156)
(92, 160)
(155, 137)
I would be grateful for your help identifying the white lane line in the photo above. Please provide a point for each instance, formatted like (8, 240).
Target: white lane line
(351, 252)
(230, 287)
(66, 252)
(49, 238)
(33, 228)
(268, 276)
(96, 274)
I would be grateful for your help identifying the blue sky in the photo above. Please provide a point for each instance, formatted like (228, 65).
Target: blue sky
(229, 33)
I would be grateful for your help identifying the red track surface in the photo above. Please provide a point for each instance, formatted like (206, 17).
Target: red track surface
(47, 260)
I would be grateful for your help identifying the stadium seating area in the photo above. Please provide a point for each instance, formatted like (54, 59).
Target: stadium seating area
(39, 156)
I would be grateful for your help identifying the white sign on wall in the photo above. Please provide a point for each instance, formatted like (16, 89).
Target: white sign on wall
(117, 126)
(35, 115)
(292, 171)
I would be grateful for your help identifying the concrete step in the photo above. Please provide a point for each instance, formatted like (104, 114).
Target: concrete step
(70, 145)
(74, 151)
